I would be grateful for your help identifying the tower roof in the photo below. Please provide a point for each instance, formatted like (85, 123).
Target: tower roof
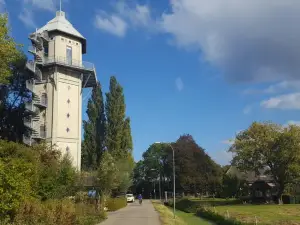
(61, 24)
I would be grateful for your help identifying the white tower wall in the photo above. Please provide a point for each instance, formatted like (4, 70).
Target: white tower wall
(60, 74)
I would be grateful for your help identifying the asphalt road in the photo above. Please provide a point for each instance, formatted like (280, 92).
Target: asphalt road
(134, 214)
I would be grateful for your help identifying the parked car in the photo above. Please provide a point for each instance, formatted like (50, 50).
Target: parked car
(130, 198)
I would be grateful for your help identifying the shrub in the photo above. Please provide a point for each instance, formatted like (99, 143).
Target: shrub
(81, 196)
(191, 206)
(51, 212)
(114, 204)
(55, 212)
(18, 172)
(87, 214)
(216, 218)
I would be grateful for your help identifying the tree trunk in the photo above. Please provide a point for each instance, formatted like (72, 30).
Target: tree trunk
(279, 194)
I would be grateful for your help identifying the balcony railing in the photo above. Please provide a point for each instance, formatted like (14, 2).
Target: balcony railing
(30, 85)
(70, 62)
(28, 123)
(27, 140)
(32, 49)
(29, 106)
(39, 131)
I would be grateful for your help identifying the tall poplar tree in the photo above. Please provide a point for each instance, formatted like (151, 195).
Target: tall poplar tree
(126, 141)
(94, 130)
(118, 139)
(115, 114)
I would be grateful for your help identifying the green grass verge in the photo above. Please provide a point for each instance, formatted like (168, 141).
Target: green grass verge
(264, 214)
(191, 218)
(192, 205)
(166, 215)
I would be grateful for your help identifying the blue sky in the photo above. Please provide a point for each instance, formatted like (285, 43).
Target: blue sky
(206, 68)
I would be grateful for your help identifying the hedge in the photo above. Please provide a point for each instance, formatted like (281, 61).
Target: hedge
(191, 206)
(217, 219)
(114, 204)
(53, 212)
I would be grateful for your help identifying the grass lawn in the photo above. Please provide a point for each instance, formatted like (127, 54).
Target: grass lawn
(166, 215)
(191, 219)
(266, 214)
(182, 218)
(221, 200)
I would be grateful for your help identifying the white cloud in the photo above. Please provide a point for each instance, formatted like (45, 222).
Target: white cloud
(293, 122)
(247, 109)
(138, 15)
(289, 101)
(112, 24)
(228, 142)
(27, 18)
(179, 84)
(284, 86)
(124, 17)
(49, 5)
(248, 40)
(222, 157)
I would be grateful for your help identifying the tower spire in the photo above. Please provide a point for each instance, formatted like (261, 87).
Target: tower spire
(60, 5)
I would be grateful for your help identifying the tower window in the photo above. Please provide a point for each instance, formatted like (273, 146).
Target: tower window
(62, 39)
(69, 55)
(68, 115)
(44, 99)
(68, 129)
(46, 50)
(68, 101)
(67, 149)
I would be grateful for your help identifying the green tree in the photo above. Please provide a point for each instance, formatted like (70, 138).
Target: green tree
(126, 138)
(94, 131)
(13, 96)
(271, 147)
(115, 114)
(18, 176)
(195, 170)
(118, 138)
(107, 175)
(9, 50)
(125, 174)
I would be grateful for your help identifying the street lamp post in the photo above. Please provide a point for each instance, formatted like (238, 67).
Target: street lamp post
(173, 177)
(159, 188)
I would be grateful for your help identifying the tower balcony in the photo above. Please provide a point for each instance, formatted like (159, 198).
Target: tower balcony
(30, 107)
(38, 54)
(37, 41)
(28, 122)
(27, 140)
(70, 63)
(38, 131)
(40, 101)
(87, 69)
(31, 66)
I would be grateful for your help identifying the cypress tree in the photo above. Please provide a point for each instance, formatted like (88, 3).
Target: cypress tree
(126, 143)
(94, 130)
(115, 114)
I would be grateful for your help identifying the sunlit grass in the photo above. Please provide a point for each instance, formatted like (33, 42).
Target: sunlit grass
(264, 214)
(182, 218)
(191, 218)
(166, 215)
